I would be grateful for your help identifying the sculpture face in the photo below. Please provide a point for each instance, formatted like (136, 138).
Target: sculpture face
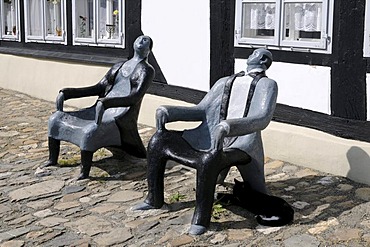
(142, 43)
(254, 58)
(259, 59)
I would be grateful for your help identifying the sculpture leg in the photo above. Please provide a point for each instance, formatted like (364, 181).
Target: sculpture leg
(86, 161)
(233, 157)
(223, 174)
(207, 173)
(163, 145)
(54, 149)
(156, 160)
(254, 174)
(155, 175)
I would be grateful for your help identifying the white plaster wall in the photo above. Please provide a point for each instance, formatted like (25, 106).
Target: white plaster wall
(44, 78)
(318, 150)
(301, 86)
(181, 36)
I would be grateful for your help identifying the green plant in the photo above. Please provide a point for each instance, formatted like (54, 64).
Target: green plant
(176, 197)
(217, 210)
(68, 162)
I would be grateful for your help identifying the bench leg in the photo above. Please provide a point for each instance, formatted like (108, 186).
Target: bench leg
(86, 161)
(54, 149)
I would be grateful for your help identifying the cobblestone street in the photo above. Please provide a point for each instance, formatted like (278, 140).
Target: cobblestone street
(48, 207)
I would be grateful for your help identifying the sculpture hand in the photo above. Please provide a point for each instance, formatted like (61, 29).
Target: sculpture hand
(161, 118)
(60, 101)
(99, 112)
(219, 135)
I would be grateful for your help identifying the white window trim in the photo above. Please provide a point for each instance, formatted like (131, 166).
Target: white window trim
(95, 40)
(44, 38)
(367, 30)
(238, 25)
(322, 46)
(15, 37)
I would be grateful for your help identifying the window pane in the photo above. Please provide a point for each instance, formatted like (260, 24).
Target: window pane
(9, 18)
(34, 14)
(84, 18)
(53, 9)
(302, 21)
(109, 17)
(258, 20)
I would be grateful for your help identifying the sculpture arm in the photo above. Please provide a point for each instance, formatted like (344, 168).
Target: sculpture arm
(167, 114)
(95, 90)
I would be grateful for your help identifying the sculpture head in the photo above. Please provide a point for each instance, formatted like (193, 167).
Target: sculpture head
(260, 60)
(143, 45)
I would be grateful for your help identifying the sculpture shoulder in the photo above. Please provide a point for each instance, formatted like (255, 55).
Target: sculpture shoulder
(267, 82)
(145, 67)
(220, 83)
(111, 74)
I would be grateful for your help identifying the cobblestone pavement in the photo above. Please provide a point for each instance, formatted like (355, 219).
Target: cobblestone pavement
(47, 207)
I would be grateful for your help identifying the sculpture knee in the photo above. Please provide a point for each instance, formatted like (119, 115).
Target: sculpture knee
(254, 174)
(155, 142)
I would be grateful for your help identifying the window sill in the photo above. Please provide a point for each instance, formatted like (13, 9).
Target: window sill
(97, 59)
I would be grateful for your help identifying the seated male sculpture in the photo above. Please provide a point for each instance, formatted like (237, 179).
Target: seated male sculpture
(112, 120)
(233, 113)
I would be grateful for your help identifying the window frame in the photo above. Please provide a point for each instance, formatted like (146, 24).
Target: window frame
(17, 36)
(95, 40)
(44, 37)
(257, 41)
(367, 30)
(321, 46)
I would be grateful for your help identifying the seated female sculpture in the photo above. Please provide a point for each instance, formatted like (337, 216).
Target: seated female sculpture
(232, 113)
(112, 120)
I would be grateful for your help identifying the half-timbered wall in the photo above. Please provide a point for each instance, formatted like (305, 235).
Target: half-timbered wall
(194, 45)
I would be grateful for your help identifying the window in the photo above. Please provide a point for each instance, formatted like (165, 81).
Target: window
(45, 21)
(98, 22)
(9, 12)
(283, 23)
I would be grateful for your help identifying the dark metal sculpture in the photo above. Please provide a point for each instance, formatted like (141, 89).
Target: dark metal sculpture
(112, 121)
(233, 113)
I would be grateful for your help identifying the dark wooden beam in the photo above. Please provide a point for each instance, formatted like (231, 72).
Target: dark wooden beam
(337, 126)
(222, 19)
(348, 70)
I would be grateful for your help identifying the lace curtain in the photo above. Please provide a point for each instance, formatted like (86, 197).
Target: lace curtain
(53, 18)
(10, 18)
(108, 21)
(306, 16)
(84, 18)
(34, 18)
(262, 16)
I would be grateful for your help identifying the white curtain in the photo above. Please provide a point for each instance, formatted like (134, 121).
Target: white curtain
(307, 16)
(53, 17)
(270, 16)
(82, 18)
(104, 7)
(262, 16)
(257, 16)
(10, 18)
(34, 18)
(312, 17)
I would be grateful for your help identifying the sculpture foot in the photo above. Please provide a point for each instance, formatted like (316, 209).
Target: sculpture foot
(82, 176)
(48, 163)
(142, 206)
(197, 229)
